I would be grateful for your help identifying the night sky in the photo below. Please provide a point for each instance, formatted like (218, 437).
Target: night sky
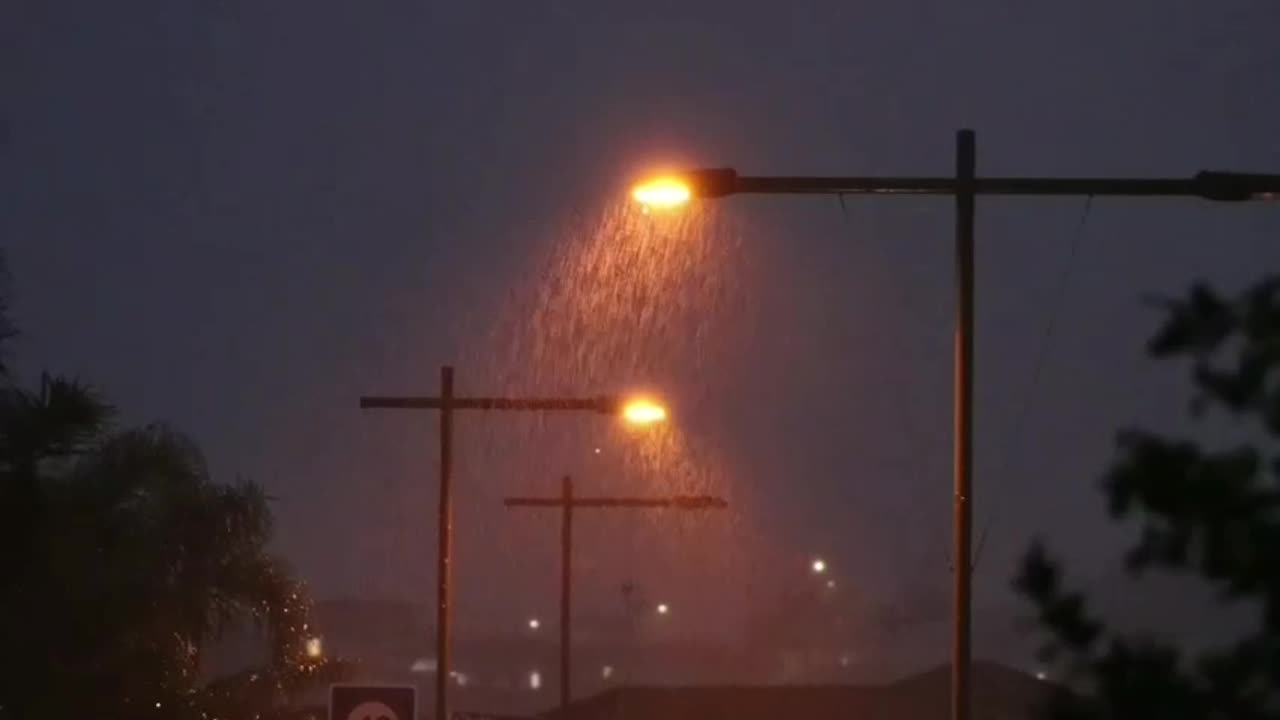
(237, 217)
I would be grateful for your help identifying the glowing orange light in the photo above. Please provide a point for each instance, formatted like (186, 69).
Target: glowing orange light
(665, 192)
(644, 412)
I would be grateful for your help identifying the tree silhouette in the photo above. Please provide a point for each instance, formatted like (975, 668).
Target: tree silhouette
(122, 561)
(1211, 512)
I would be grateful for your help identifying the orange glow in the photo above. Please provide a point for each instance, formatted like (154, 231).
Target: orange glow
(644, 412)
(667, 192)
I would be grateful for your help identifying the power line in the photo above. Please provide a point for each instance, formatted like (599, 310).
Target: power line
(1046, 340)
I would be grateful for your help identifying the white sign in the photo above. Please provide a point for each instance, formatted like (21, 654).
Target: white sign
(373, 702)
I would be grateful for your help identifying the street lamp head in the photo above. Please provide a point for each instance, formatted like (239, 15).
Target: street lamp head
(671, 191)
(1237, 187)
(643, 412)
(662, 193)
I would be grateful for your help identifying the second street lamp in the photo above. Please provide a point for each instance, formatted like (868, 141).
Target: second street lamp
(636, 411)
(568, 503)
(676, 190)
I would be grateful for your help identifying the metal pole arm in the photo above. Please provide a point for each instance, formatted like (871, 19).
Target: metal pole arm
(681, 502)
(601, 404)
(1211, 185)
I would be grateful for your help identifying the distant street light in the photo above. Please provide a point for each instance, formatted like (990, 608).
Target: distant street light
(534, 623)
(635, 412)
(663, 609)
(643, 412)
(678, 189)
(818, 566)
(314, 647)
(831, 584)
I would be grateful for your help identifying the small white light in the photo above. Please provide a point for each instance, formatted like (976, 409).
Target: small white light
(460, 677)
(831, 584)
(157, 704)
(663, 609)
(535, 680)
(844, 661)
(315, 647)
(606, 672)
(423, 665)
(1042, 675)
(534, 623)
(597, 451)
(819, 566)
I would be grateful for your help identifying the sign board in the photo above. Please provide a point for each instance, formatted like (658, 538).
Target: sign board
(373, 702)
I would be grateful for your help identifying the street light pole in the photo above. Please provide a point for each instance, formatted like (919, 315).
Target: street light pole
(964, 186)
(567, 502)
(962, 576)
(447, 403)
(444, 543)
(566, 593)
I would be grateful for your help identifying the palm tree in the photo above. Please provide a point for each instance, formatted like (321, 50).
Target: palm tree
(123, 560)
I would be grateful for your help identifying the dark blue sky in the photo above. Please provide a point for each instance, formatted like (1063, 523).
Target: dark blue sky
(238, 217)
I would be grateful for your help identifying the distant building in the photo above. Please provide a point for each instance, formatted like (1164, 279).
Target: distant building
(494, 673)
(999, 693)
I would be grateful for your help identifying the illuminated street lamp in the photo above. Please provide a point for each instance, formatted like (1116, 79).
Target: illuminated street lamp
(534, 623)
(667, 192)
(314, 647)
(678, 189)
(637, 412)
(643, 412)
(818, 566)
(663, 609)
